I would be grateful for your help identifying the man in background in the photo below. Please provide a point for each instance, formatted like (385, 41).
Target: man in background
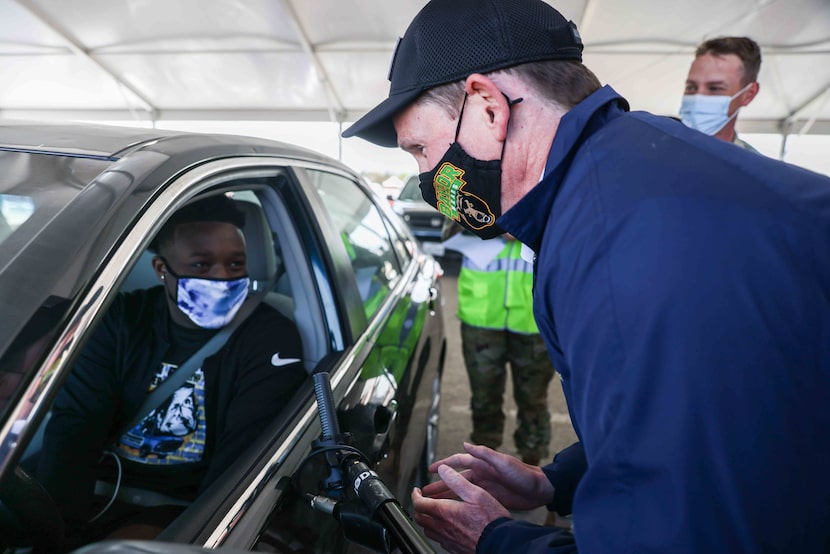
(495, 307)
(723, 79)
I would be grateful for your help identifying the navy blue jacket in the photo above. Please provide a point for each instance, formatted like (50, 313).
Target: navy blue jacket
(683, 290)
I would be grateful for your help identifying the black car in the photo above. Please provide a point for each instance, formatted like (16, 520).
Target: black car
(79, 206)
(423, 220)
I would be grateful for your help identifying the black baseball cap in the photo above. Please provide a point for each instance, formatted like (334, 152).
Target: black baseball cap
(451, 39)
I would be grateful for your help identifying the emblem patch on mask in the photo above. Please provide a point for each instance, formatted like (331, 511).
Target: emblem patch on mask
(457, 204)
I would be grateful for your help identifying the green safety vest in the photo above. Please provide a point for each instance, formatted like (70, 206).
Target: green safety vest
(500, 296)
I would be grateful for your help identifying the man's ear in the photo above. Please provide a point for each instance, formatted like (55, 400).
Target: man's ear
(159, 267)
(750, 93)
(495, 103)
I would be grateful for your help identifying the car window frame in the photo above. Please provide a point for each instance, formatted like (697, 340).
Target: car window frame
(340, 257)
(95, 299)
(92, 304)
(230, 523)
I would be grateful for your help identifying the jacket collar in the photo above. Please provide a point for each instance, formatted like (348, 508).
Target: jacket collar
(527, 219)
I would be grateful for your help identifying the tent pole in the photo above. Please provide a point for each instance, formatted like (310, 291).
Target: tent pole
(340, 140)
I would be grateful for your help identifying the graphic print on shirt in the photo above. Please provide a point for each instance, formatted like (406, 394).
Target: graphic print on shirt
(173, 433)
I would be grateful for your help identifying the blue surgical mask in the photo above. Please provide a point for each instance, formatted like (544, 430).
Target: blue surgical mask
(706, 113)
(209, 303)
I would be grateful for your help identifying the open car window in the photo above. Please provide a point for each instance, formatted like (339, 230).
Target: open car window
(174, 432)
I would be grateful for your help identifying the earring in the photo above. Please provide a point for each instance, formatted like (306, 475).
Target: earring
(162, 277)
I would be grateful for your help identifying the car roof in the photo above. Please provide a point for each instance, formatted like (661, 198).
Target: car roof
(82, 215)
(75, 138)
(114, 142)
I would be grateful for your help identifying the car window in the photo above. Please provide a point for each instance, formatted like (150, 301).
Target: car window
(173, 433)
(31, 194)
(403, 246)
(14, 210)
(365, 235)
(411, 191)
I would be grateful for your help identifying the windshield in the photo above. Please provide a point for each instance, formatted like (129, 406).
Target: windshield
(34, 188)
(14, 210)
(411, 191)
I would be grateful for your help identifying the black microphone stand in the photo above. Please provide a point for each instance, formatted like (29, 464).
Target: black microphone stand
(349, 472)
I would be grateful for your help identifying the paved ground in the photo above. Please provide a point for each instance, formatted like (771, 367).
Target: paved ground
(455, 423)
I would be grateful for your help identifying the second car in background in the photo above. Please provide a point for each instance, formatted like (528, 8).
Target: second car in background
(423, 220)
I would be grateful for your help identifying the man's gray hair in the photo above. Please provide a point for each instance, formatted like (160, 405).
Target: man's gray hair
(563, 83)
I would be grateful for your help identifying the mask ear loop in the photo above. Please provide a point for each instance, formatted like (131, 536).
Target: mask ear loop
(460, 114)
(168, 268)
(171, 272)
(510, 104)
(743, 90)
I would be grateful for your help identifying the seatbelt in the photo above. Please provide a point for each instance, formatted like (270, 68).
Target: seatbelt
(170, 385)
(164, 390)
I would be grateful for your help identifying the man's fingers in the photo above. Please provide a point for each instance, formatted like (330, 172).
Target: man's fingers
(459, 460)
(434, 489)
(437, 519)
(485, 456)
(483, 453)
(439, 489)
(465, 490)
(475, 448)
(456, 525)
(427, 511)
(417, 498)
(421, 508)
(424, 505)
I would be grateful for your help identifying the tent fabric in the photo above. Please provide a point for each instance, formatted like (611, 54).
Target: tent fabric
(328, 60)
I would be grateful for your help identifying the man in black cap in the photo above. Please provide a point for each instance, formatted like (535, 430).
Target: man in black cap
(682, 287)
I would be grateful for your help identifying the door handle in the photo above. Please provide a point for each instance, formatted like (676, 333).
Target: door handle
(384, 420)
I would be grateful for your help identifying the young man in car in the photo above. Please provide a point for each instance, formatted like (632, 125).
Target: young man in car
(723, 79)
(682, 287)
(187, 439)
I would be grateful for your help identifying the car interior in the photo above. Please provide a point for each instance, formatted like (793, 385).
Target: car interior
(270, 238)
(265, 267)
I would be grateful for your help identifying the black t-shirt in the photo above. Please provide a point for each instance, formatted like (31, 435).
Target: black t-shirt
(243, 391)
(171, 438)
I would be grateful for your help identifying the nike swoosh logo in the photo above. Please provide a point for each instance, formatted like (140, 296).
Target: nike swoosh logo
(277, 361)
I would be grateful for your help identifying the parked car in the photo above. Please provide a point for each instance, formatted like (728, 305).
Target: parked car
(80, 205)
(423, 220)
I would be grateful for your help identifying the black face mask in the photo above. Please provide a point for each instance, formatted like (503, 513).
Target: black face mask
(465, 189)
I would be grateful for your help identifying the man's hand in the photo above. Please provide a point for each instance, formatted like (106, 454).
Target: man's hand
(456, 525)
(513, 483)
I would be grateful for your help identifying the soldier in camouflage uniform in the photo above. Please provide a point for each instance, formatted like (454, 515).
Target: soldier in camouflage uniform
(495, 306)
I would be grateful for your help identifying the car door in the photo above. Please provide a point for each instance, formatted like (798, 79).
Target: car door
(382, 343)
(260, 180)
(405, 327)
(384, 379)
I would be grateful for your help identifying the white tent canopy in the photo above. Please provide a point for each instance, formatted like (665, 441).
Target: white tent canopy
(327, 60)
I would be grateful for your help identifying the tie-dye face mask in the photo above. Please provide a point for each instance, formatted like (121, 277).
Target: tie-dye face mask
(210, 303)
